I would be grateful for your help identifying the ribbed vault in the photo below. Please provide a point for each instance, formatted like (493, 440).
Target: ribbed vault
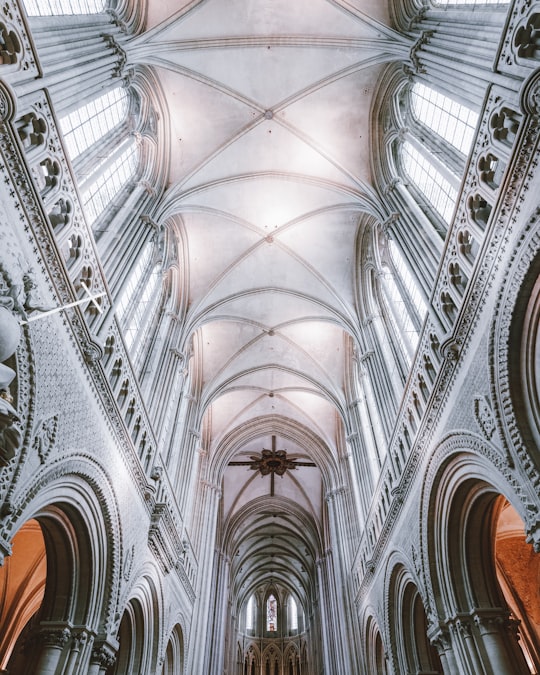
(270, 176)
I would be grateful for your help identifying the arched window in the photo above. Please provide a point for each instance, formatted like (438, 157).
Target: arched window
(405, 302)
(86, 125)
(271, 614)
(293, 614)
(421, 168)
(56, 7)
(250, 613)
(374, 442)
(128, 294)
(140, 320)
(407, 280)
(138, 300)
(452, 121)
(108, 178)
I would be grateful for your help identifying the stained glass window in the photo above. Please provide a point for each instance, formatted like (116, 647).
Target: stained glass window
(271, 614)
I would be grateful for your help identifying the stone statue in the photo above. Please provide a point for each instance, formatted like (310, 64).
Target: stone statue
(21, 299)
(10, 434)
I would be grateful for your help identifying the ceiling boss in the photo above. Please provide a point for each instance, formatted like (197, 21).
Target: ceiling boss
(270, 462)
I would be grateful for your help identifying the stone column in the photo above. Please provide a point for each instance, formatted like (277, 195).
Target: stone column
(440, 638)
(205, 515)
(465, 650)
(78, 642)
(500, 643)
(103, 657)
(325, 624)
(53, 641)
(220, 638)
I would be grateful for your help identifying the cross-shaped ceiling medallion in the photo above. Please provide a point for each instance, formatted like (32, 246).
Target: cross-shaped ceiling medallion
(270, 462)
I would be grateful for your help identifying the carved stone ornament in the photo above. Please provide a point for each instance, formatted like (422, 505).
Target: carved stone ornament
(484, 416)
(8, 105)
(10, 434)
(103, 655)
(45, 437)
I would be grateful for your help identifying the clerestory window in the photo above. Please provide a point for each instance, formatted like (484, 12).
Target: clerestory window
(138, 327)
(92, 121)
(136, 305)
(130, 289)
(422, 169)
(108, 178)
(250, 613)
(453, 122)
(59, 7)
(293, 614)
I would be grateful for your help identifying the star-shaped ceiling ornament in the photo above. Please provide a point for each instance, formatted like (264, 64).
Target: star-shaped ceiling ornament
(271, 462)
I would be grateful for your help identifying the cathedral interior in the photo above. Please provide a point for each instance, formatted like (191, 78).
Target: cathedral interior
(269, 337)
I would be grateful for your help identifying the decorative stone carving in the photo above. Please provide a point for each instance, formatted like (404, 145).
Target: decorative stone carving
(103, 655)
(10, 331)
(484, 416)
(45, 437)
(7, 103)
(55, 637)
(20, 300)
(416, 48)
(32, 130)
(10, 434)
(10, 46)
(128, 563)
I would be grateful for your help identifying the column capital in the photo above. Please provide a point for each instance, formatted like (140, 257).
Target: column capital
(54, 636)
(216, 489)
(103, 655)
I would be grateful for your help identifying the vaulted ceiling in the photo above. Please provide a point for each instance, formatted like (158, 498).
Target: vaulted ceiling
(270, 104)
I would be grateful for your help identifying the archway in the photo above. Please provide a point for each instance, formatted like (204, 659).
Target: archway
(61, 632)
(413, 652)
(138, 632)
(518, 573)
(131, 640)
(474, 628)
(173, 663)
(374, 649)
(22, 586)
